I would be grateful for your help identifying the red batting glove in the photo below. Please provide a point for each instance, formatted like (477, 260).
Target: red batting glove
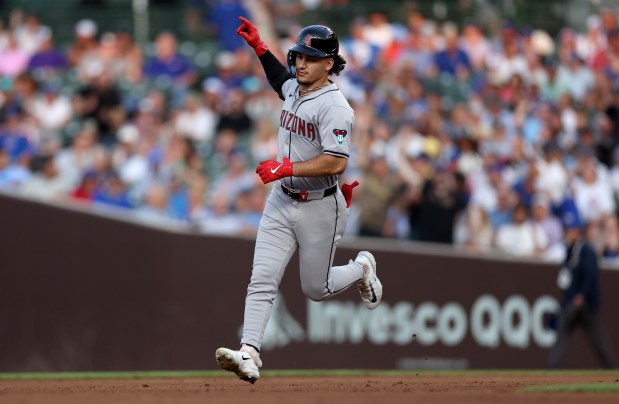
(250, 34)
(271, 170)
(347, 192)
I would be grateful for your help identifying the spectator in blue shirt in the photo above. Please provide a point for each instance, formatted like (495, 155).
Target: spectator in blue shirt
(12, 139)
(361, 53)
(112, 192)
(502, 213)
(223, 20)
(169, 63)
(178, 200)
(451, 59)
(12, 175)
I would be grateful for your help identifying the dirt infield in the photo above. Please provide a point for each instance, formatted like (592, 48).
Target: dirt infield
(301, 390)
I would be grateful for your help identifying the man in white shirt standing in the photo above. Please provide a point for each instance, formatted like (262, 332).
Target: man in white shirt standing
(521, 238)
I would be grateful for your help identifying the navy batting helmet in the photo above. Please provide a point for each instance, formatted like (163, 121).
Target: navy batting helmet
(314, 40)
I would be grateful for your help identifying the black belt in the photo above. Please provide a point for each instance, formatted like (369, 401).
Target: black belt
(303, 195)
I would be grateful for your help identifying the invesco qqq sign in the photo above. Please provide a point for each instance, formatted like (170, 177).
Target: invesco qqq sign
(489, 322)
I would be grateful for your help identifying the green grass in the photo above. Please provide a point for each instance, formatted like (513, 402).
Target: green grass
(301, 373)
(575, 388)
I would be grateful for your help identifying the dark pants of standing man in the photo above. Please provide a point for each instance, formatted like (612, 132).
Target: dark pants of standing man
(567, 322)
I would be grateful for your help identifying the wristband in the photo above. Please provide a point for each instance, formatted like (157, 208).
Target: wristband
(261, 49)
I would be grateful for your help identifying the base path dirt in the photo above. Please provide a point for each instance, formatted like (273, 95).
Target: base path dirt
(301, 390)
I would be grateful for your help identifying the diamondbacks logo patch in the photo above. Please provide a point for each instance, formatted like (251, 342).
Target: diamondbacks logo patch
(340, 134)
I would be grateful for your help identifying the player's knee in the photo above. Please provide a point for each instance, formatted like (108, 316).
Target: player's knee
(315, 294)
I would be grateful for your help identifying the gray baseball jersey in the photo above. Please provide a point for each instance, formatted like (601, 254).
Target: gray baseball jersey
(316, 123)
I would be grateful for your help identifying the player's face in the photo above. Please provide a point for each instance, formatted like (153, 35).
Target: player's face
(312, 71)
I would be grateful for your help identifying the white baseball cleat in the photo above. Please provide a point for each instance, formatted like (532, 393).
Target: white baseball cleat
(244, 363)
(370, 288)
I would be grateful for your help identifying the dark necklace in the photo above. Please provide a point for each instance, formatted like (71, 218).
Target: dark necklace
(309, 90)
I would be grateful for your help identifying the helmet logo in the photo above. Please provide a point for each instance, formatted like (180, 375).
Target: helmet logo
(308, 40)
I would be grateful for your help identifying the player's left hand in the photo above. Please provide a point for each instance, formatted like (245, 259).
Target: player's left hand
(250, 34)
(271, 170)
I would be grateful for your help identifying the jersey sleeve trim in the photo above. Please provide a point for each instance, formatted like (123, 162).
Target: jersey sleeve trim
(335, 153)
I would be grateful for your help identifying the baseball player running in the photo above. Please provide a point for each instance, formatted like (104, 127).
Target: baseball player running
(306, 210)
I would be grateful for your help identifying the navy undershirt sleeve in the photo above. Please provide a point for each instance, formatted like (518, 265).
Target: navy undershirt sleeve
(277, 73)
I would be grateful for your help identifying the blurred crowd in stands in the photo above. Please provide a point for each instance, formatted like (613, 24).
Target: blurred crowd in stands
(490, 143)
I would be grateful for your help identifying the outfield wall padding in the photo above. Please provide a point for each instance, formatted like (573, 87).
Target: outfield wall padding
(85, 292)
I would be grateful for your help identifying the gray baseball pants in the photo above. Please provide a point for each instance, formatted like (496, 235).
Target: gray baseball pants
(315, 228)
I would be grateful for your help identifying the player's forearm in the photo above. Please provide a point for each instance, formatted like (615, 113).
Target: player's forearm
(320, 166)
(277, 74)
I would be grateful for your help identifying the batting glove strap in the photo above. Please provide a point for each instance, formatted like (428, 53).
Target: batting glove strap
(261, 49)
